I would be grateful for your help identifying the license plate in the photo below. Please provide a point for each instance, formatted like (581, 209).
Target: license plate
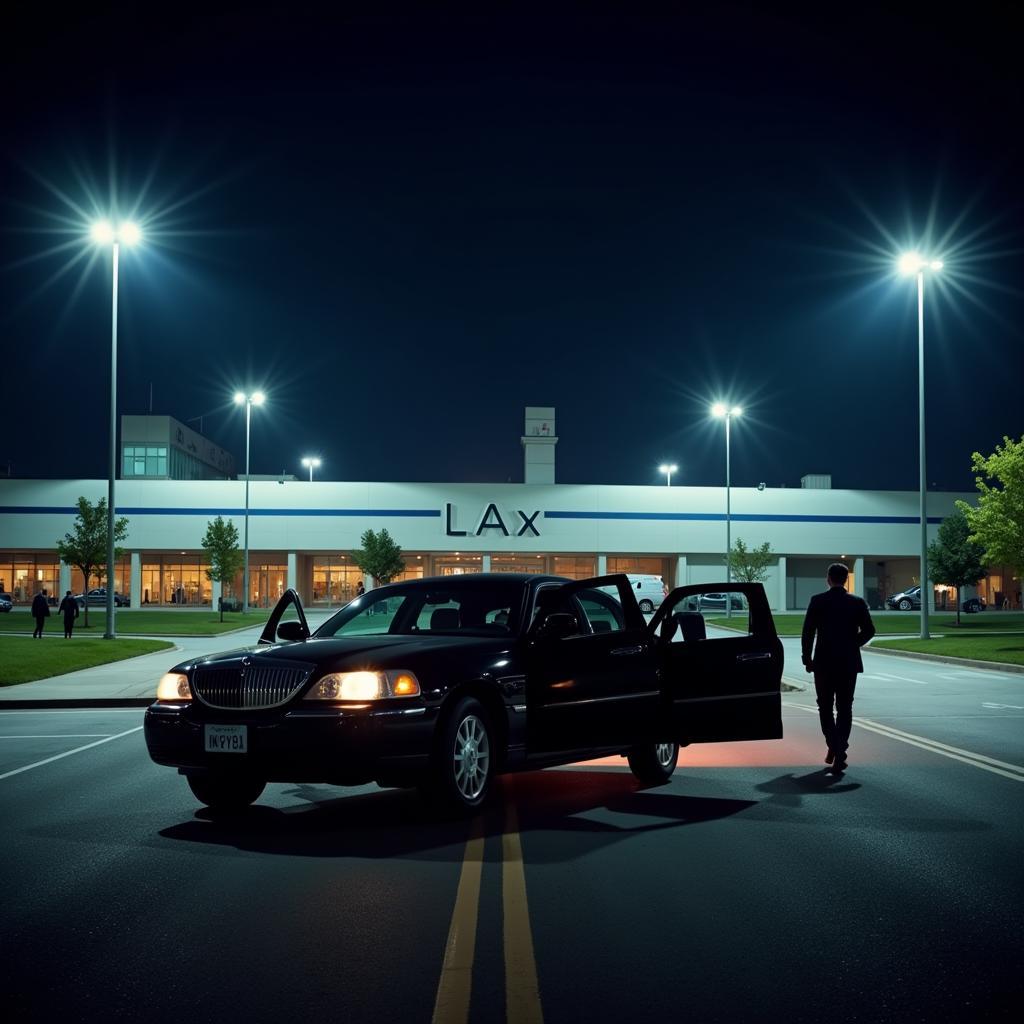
(226, 739)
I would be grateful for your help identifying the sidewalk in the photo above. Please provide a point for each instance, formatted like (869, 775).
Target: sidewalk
(131, 682)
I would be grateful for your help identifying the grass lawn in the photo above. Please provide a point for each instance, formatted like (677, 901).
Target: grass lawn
(1007, 648)
(791, 623)
(128, 621)
(22, 659)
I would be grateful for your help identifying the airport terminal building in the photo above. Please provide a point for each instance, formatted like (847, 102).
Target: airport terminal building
(303, 534)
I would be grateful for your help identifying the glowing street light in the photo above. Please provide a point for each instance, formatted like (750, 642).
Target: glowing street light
(311, 462)
(256, 398)
(103, 233)
(722, 411)
(913, 264)
(668, 469)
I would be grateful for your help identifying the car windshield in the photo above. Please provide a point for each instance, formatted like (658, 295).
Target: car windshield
(462, 606)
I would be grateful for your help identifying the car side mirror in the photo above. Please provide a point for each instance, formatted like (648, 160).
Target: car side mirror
(292, 631)
(558, 625)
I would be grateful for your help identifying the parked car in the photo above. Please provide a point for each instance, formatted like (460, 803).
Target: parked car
(443, 683)
(715, 601)
(98, 596)
(5, 602)
(974, 604)
(905, 600)
(648, 590)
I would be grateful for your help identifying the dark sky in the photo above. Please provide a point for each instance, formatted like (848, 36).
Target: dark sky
(407, 228)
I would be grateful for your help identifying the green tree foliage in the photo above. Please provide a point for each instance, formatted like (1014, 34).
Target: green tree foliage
(379, 557)
(955, 559)
(86, 547)
(220, 542)
(750, 565)
(998, 521)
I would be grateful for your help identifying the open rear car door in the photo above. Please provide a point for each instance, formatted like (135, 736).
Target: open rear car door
(719, 684)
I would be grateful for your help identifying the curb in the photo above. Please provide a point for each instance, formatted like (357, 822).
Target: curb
(945, 659)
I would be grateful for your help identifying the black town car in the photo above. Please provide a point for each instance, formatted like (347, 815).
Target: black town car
(444, 683)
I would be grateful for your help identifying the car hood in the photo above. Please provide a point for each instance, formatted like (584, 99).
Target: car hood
(341, 654)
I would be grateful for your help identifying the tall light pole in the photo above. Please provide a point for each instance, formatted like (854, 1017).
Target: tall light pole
(104, 233)
(256, 398)
(913, 264)
(668, 469)
(311, 462)
(722, 411)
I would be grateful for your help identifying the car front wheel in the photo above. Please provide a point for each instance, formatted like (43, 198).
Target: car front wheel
(225, 793)
(653, 763)
(464, 756)
(905, 605)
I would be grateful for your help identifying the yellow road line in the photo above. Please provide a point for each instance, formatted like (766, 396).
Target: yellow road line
(522, 993)
(453, 991)
(989, 764)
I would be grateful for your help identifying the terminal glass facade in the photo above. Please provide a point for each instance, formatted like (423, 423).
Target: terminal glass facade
(575, 568)
(178, 580)
(24, 575)
(144, 460)
(531, 564)
(267, 582)
(335, 579)
(457, 564)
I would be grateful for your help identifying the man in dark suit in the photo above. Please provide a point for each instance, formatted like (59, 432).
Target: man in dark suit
(40, 612)
(837, 625)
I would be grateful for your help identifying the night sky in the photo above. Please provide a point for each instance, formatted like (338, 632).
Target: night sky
(406, 228)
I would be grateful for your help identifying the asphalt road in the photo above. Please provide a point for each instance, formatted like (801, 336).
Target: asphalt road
(754, 887)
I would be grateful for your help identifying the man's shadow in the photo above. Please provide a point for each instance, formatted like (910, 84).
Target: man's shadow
(789, 790)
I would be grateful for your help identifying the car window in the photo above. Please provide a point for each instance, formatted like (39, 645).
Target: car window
(602, 610)
(703, 617)
(426, 607)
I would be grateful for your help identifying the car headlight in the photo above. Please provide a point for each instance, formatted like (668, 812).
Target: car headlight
(173, 686)
(365, 685)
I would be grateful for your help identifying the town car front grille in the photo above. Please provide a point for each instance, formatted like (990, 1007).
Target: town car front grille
(249, 685)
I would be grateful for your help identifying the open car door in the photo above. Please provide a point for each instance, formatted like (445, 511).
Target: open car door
(294, 629)
(719, 684)
(591, 670)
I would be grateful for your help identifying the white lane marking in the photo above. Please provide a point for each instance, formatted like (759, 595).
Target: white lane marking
(1004, 707)
(989, 764)
(59, 736)
(68, 753)
(74, 711)
(897, 679)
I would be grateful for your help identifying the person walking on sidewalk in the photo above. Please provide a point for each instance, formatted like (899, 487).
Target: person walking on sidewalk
(69, 609)
(836, 627)
(40, 612)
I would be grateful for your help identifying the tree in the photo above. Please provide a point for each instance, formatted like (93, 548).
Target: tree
(220, 542)
(86, 547)
(998, 521)
(379, 557)
(750, 565)
(954, 558)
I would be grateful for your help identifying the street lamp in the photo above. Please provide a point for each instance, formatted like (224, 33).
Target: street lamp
(913, 264)
(104, 233)
(721, 411)
(312, 462)
(256, 398)
(668, 469)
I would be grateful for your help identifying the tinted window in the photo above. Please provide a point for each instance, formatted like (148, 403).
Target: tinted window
(431, 607)
(603, 611)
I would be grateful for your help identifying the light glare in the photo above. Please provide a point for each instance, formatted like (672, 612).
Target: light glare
(257, 398)
(130, 233)
(718, 409)
(239, 398)
(102, 232)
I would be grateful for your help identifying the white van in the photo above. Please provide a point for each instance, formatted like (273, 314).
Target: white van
(649, 591)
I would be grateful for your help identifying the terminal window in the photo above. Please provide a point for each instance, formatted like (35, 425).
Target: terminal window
(144, 460)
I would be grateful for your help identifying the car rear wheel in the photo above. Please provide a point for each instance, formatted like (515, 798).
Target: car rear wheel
(463, 768)
(225, 793)
(653, 763)
(646, 606)
(905, 605)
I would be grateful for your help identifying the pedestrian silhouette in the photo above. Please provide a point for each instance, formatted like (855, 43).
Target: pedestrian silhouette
(40, 612)
(69, 609)
(836, 626)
